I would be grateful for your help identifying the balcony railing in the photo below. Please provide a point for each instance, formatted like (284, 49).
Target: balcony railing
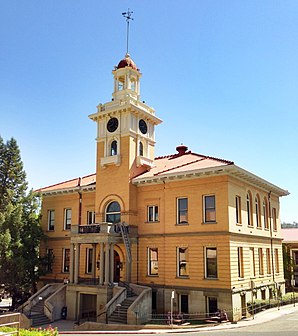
(96, 228)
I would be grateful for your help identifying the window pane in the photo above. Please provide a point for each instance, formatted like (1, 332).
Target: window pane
(182, 210)
(210, 214)
(153, 261)
(211, 262)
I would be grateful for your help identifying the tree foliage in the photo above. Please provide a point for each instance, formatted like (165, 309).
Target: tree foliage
(20, 230)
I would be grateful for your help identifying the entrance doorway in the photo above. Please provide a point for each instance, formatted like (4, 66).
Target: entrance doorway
(212, 305)
(184, 303)
(117, 267)
(243, 305)
(88, 307)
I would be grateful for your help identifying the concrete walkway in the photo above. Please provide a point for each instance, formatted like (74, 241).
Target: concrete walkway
(67, 327)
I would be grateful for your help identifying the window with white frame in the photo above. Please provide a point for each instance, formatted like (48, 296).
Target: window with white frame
(268, 260)
(51, 220)
(276, 260)
(258, 212)
(182, 210)
(252, 262)
(67, 219)
(211, 262)
(249, 209)
(90, 217)
(89, 260)
(240, 263)
(152, 261)
(66, 260)
(182, 262)
(238, 209)
(265, 214)
(152, 213)
(261, 261)
(209, 209)
(113, 212)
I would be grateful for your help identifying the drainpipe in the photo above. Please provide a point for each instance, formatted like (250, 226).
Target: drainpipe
(80, 202)
(271, 238)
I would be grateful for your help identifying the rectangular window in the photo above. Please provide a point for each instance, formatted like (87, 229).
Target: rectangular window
(240, 262)
(274, 218)
(252, 262)
(261, 261)
(90, 217)
(211, 262)
(238, 209)
(209, 209)
(67, 219)
(89, 259)
(152, 213)
(276, 260)
(268, 260)
(182, 210)
(182, 261)
(50, 259)
(66, 260)
(51, 220)
(152, 261)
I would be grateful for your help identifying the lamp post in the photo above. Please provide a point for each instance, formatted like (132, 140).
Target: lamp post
(293, 282)
(172, 299)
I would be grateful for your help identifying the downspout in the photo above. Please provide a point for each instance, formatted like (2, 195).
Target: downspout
(271, 238)
(80, 201)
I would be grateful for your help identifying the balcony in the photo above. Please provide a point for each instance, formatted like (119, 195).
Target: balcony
(94, 233)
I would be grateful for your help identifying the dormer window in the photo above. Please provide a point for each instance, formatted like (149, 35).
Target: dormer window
(113, 148)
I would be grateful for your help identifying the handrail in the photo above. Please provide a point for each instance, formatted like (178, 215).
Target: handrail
(17, 323)
(111, 305)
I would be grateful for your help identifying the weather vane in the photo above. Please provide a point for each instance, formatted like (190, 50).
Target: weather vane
(128, 17)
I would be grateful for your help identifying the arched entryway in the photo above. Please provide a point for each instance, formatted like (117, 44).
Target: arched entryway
(117, 267)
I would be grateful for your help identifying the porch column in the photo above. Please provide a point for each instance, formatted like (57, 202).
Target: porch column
(77, 262)
(71, 268)
(107, 264)
(111, 263)
(94, 261)
(101, 264)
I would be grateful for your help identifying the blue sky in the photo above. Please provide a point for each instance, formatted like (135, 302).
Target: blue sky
(221, 74)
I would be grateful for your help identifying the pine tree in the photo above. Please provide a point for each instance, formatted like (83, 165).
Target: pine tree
(20, 231)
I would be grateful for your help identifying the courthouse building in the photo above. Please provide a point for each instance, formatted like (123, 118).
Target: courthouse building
(188, 229)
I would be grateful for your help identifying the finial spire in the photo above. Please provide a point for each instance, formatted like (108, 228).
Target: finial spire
(128, 17)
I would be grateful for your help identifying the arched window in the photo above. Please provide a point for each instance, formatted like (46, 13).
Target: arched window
(141, 149)
(265, 213)
(113, 212)
(248, 209)
(114, 148)
(258, 212)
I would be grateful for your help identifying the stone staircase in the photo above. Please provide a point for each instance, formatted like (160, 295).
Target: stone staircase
(37, 313)
(119, 316)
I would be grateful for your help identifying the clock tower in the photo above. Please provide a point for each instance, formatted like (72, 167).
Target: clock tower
(125, 143)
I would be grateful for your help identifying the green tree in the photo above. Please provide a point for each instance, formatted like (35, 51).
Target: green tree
(20, 231)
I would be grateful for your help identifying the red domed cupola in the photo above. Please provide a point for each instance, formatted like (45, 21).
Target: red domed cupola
(127, 61)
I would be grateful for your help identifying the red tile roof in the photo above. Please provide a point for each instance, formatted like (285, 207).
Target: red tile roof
(182, 163)
(79, 181)
(290, 235)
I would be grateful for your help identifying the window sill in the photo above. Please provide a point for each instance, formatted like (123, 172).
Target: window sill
(238, 224)
(211, 279)
(213, 222)
(182, 224)
(240, 279)
(151, 222)
(182, 277)
(152, 276)
(250, 226)
(259, 228)
(266, 229)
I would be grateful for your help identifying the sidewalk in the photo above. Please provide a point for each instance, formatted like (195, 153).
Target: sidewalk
(67, 327)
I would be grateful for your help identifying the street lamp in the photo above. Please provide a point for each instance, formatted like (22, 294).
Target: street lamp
(293, 282)
(172, 299)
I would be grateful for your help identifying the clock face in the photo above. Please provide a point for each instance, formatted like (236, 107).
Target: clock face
(143, 126)
(112, 125)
